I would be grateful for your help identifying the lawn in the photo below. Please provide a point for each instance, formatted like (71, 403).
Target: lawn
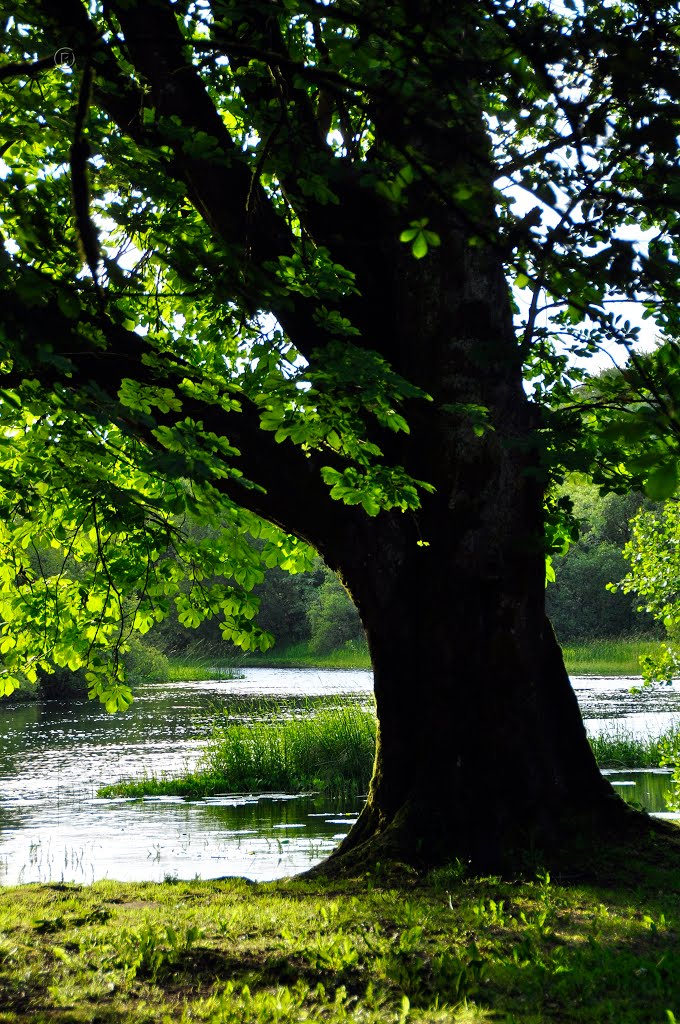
(443, 949)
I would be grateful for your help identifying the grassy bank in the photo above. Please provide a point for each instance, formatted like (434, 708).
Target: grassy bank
(598, 657)
(444, 950)
(328, 750)
(187, 669)
(352, 655)
(607, 657)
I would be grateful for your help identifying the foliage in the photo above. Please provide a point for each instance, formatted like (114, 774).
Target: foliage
(654, 577)
(143, 663)
(333, 619)
(202, 243)
(580, 605)
(670, 758)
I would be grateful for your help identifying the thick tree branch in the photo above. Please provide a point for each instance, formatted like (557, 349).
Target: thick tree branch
(53, 347)
(26, 68)
(232, 202)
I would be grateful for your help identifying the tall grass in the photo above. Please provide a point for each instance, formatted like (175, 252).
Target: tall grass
(328, 749)
(607, 657)
(620, 748)
(188, 669)
(595, 657)
(350, 655)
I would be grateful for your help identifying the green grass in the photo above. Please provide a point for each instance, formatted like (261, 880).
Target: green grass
(187, 669)
(596, 657)
(381, 949)
(327, 749)
(351, 655)
(607, 657)
(292, 656)
(619, 748)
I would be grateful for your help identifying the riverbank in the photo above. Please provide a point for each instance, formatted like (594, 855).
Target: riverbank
(598, 657)
(444, 950)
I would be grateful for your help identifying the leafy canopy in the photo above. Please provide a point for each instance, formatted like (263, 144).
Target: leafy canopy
(201, 217)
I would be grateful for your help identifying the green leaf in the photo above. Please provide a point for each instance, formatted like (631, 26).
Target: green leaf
(419, 247)
(68, 304)
(662, 483)
(10, 397)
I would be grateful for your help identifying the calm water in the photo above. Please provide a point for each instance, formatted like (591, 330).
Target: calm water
(54, 756)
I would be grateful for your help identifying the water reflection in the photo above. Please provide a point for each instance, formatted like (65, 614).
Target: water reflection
(149, 840)
(643, 789)
(650, 711)
(54, 756)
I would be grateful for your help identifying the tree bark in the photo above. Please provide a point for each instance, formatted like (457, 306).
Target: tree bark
(481, 752)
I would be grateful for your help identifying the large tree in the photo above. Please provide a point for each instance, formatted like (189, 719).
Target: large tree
(258, 270)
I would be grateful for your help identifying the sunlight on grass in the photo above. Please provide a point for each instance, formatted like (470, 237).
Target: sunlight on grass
(450, 949)
(596, 657)
(607, 657)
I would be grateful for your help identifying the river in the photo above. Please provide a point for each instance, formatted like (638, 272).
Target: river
(55, 755)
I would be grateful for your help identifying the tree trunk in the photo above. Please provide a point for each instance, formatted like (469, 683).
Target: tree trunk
(481, 751)
(482, 754)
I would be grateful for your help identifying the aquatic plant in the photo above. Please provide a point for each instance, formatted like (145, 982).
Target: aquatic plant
(619, 747)
(326, 748)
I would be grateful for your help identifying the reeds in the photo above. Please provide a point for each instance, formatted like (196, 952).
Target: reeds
(607, 657)
(620, 748)
(189, 669)
(326, 749)
(330, 750)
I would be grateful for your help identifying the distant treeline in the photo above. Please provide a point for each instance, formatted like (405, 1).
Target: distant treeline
(578, 602)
